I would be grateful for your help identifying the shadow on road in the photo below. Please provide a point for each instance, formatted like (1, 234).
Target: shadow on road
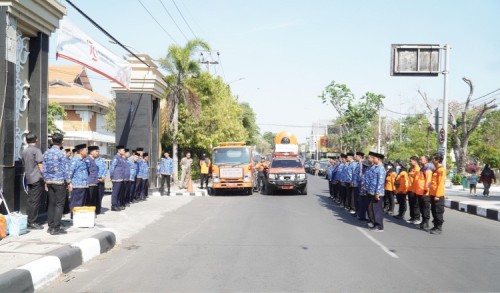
(338, 211)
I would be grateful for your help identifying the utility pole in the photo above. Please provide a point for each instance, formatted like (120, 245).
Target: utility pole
(444, 142)
(208, 64)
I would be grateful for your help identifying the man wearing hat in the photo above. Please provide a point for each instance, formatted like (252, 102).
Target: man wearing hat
(364, 198)
(143, 175)
(124, 199)
(342, 180)
(79, 174)
(356, 180)
(138, 180)
(376, 189)
(166, 170)
(337, 186)
(117, 174)
(93, 176)
(132, 163)
(102, 168)
(349, 202)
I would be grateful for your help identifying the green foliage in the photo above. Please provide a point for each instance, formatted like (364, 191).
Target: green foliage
(269, 138)
(414, 139)
(54, 112)
(250, 124)
(484, 143)
(110, 117)
(456, 179)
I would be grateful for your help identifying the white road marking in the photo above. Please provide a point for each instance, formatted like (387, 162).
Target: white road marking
(385, 249)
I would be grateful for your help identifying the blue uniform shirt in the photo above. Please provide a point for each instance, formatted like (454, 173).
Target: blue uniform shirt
(117, 169)
(55, 166)
(356, 174)
(143, 171)
(79, 173)
(349, 172)
(102, 167)
(93, 171)
(133, 169)
(337, 174)
(343, 174)
(166, 166)
(377, 181)
(126, 173)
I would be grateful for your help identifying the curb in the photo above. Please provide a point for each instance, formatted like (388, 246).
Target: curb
(41, 272)
(180, 193)
(473, 209)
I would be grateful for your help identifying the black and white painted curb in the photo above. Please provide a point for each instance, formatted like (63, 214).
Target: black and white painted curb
(491, 214)
(184, 193)
(41, 272)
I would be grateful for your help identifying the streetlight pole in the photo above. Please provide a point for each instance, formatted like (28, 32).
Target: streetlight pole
(444, 142)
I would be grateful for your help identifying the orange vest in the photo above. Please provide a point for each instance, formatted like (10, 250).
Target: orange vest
(437, 182)
(389, 181)
(423, 182)
(261, 166)
(411, 178)
(402, 179)
(204, 166)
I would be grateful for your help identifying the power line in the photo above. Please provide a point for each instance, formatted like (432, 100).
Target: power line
(158, 22)
(193, 18)
(184, 19)
(220, 62)
(105, 32)
(164, 7)
(485, 95)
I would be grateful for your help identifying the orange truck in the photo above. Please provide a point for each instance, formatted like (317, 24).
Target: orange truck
(286, 171)
(232, 168)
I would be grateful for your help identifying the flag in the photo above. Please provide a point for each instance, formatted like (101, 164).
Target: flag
(75, 45)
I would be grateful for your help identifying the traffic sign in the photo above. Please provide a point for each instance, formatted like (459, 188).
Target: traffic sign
(442, 135)
(441, 150)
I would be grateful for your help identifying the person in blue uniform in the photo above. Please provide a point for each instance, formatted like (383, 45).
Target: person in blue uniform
(329, 174)
(364, 199)
(166, 170)
(376, 190)
(356, 181)
(348, 178)
(124, 200)
(143, 174)
(69, 156)
(55, 174)
(342, 179)
(132, 163)
(102, 170)
(79, 173)
(138, 179)
(93, 176)
(117, 174)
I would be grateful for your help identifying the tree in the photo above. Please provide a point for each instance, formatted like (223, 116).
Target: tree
(484, 143)
(269, 137)
(181, 67)
(249, 123)
(110, 117)
(465, 125)
(54, 112)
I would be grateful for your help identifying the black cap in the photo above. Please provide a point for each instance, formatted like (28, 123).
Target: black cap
(371, 154)
(140, 149)
(136, 153)
(120, 147)
(93, 148)
(343, 156)
(145, 154)
(350, 154)
(74, 150)
(360, 154)
(366, 163)
(377, 155)
(80, 147)
(61, 148)
(127, 150)
(67, 150)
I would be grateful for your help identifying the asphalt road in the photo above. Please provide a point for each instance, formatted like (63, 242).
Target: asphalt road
(292, 243)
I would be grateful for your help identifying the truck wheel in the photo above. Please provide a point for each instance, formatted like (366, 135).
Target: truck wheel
(250, 191)
(269, 190)
(304, 190)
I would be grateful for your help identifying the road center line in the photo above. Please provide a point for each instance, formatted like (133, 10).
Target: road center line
(385, 249)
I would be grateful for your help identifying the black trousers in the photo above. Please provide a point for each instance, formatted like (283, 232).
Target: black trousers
(35, 192)
(424, 202)
(100, 195)
(57, 196)
(124, 193)
(413, 206)
(166, 178)
(343, 194)
(330, 188)
(204, 178)
(389, 201)
(92, 196)
(364, 202)
(378, 212)
(437, 209)
(261, 182)
(336, 191)
(138, 189)
(371, 215)
(401, 197)
(349, 197)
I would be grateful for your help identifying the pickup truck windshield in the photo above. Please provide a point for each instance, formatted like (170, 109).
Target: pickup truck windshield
(286, 164)
(231, 156)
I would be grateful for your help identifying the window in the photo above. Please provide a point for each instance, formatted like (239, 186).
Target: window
(286, 164)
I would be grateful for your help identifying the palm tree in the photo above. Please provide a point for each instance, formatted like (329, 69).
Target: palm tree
(181, 67)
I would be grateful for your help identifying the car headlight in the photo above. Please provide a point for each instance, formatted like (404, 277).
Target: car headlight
(215, 178)
(272, 176)
(301, 176)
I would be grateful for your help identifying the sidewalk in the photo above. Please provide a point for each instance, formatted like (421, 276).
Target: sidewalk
(31, 261)
(458, 198)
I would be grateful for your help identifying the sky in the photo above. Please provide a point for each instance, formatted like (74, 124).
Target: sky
(280, 55)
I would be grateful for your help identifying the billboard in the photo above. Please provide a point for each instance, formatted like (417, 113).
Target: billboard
(415, 60)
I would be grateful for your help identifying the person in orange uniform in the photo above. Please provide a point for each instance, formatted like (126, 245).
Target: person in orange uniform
(412, 196)
(423, 184)
(261, 176)
(401, 190)
(436, 191)
(204, 167)
(389, 187)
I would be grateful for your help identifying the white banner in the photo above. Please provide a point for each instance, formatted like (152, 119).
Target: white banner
(75, 45)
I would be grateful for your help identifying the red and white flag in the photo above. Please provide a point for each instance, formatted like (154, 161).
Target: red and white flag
(75, 45)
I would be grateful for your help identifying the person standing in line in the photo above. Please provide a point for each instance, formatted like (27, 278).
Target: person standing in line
(472, 183)
(204, 168)
(166, 170)
(93, 179)
(342, 180)
(56, 176)
(102, 168)
(390, 180)
(261, 176)
(124, 201)
(356, 180)
(132, 163)
(32, 160)
(138, 180)
(329, 175)
(364, 199)
(487, 177)
(423, 182)
(412, 196)
(79, 174)
(401, 190)
(69, 157)
(186, 164)
(436, 191)
(376, 189)
(144, 174)
(117, 174)
(349, 201)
